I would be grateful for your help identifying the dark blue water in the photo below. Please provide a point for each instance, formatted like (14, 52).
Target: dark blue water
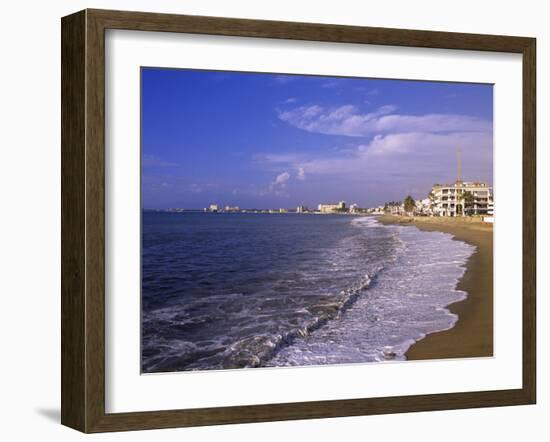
(252, 290)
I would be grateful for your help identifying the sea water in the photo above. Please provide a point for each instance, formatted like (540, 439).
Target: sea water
(235, 290)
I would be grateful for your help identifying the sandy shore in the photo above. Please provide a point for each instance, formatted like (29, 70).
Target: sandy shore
(472, 336)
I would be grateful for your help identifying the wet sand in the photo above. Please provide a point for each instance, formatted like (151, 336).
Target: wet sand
(472, 335)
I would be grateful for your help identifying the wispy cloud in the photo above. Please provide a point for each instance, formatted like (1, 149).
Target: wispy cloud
(291, 100)
(410, 153)
(367, 91)
(284, 162)
(392, 161)
(347, 120)
(155, 161)
(177, 184)
(278, 158)
(280, 182)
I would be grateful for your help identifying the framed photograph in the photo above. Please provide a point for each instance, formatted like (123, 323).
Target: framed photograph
(269, 220)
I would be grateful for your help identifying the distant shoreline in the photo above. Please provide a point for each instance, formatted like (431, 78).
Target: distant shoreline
(472, 335)
(254, 212)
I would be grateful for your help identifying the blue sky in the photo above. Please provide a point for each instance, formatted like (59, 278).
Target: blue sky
(268, 140)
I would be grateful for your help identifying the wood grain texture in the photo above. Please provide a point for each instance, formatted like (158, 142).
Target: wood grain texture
(144, 21)
(95, 222)
(73, 129)
(83, 219)
(529, 220)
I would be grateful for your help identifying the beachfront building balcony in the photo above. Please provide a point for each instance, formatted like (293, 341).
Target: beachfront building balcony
(450, 200)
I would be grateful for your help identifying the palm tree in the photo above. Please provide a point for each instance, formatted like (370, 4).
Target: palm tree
(431, 197)
(467, 201)
(408, 204)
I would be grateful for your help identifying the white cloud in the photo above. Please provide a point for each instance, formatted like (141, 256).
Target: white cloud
(155, 161)
(280, 181)
(291, 100)
(347, 120)
(398, 152)
(409, 153)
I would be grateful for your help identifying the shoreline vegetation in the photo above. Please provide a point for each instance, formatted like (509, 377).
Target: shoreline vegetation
(472, 335)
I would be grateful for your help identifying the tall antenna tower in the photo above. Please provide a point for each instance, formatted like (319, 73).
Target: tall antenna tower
(459, 157)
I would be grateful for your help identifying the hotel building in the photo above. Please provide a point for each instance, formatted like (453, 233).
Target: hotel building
(329, 208)
(448, 199)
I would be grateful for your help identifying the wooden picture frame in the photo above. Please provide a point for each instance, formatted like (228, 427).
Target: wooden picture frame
(83, 220)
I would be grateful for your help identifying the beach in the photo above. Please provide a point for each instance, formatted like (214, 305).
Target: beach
(472, 335)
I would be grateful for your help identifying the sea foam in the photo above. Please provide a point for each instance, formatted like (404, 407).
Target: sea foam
(407, 301)
(254, 291)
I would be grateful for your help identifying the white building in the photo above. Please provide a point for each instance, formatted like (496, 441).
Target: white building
(423, 207)
(376, 210)
(232, 209)
(301, 209)
(397, 209)
(452, 199)
(329, 208)
(213, 208)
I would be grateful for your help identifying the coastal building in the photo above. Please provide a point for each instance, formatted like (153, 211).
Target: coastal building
(461, 198)
(397, 209)
(232, 209)
(491, 206)
(301, 209)
(353, 208)
(423, 207)
(330, 208)
(213, 208)
(379, 210)
(394, 208)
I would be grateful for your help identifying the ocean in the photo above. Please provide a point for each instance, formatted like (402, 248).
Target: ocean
(236, 290)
